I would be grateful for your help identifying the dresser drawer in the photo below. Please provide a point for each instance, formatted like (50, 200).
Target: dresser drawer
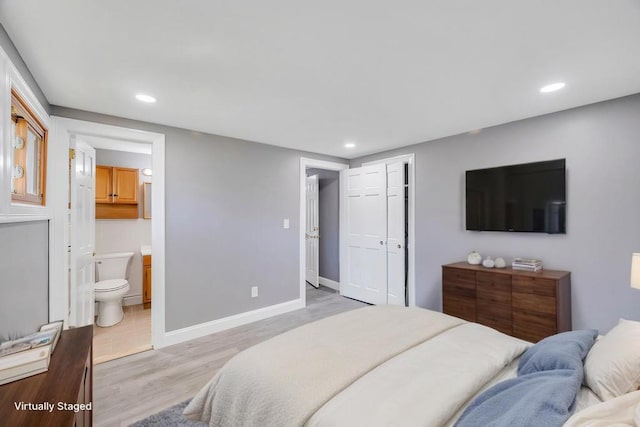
(532, 326)
(464, 308)
(493, 309)
(527, 303)
(534, 286)
(460, 277)
(501, 324)
(494, 297)
(493, 281)
(488, 308)
(459, 282)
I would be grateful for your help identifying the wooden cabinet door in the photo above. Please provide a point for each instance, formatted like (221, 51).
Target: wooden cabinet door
(125, 185)
(103, 184)
(146, 280)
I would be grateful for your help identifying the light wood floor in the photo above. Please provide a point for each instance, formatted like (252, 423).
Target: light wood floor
(132, 335)
(134, 387)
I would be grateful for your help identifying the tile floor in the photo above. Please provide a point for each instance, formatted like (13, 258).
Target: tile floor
(132, 335)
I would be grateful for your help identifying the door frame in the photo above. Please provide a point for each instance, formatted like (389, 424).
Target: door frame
(307, 163)
(59, 288)
(409, 159)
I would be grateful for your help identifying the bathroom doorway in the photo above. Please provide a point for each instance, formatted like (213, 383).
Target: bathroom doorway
(319, 228)
(62, 294)
(124, 228)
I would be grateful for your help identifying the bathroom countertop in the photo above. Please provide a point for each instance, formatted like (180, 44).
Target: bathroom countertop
(145, 250)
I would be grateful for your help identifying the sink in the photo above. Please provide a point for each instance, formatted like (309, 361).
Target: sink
(145, 250)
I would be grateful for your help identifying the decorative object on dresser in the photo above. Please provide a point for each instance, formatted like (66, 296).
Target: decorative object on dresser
(488, 262)
(66, 388)
(526, 264)
(526, 305)
(500, 263)
(474, 258)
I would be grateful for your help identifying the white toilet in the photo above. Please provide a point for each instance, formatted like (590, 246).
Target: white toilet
(111, 286)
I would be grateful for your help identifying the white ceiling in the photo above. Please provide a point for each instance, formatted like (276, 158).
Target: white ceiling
(314, 75)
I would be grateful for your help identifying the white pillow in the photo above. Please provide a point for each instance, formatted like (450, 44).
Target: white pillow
(612, 366)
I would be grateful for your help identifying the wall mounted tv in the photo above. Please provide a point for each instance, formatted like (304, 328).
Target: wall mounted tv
(528, 197)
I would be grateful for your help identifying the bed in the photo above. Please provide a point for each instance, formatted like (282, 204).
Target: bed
(375, 366)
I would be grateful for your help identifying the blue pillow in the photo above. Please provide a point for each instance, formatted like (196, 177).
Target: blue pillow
(562, 351)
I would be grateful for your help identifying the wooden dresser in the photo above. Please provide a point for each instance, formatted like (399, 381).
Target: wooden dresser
(68, 381)
(530, 306)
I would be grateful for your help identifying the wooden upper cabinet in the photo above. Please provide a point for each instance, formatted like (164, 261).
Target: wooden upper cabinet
(116, 185)
(125, 185)
(116, 192)
(103, 184)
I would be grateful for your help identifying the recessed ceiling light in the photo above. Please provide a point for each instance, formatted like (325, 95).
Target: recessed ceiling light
(349, 145)
(145, 98)
(552, 87)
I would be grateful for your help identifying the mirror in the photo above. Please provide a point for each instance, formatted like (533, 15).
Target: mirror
(146, 200)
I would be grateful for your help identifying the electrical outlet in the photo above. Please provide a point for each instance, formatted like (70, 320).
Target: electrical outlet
(254, 291)
(285, 223)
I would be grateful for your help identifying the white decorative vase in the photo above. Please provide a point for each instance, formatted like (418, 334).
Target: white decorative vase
(500, 263)
(474, 258)
(488, 262)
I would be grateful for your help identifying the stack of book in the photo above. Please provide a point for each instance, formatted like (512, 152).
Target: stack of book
(527, 264)
(29, 355)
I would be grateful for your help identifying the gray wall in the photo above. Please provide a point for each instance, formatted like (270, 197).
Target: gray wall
(601, 143)
(16, 59)
(24, 278)
(225, 203)
(329, 222)
(126, 235)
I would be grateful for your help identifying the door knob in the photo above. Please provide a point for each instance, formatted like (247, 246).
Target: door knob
(381, 242)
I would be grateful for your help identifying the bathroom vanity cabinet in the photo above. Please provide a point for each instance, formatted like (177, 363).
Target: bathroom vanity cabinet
(116, 192)
(146, 281)
(68, 385)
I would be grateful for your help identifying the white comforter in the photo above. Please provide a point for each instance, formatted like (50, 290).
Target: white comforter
(364, 367)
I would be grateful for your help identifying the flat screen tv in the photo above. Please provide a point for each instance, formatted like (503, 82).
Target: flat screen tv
(528, 197)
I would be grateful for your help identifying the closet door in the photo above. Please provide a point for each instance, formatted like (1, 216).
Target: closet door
(395, 234)
(365, 275)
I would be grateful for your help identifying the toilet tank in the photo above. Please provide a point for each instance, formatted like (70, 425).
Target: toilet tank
(112, 265)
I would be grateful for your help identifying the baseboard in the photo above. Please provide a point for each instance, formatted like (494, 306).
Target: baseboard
(329, 283)
(197, 331)
(132, 300)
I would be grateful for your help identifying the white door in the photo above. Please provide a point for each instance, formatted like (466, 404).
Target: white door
(365, 275)
(395, 234)
(82, 231)
(312, 233)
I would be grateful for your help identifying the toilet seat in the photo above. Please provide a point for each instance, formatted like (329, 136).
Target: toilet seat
(111, 285)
